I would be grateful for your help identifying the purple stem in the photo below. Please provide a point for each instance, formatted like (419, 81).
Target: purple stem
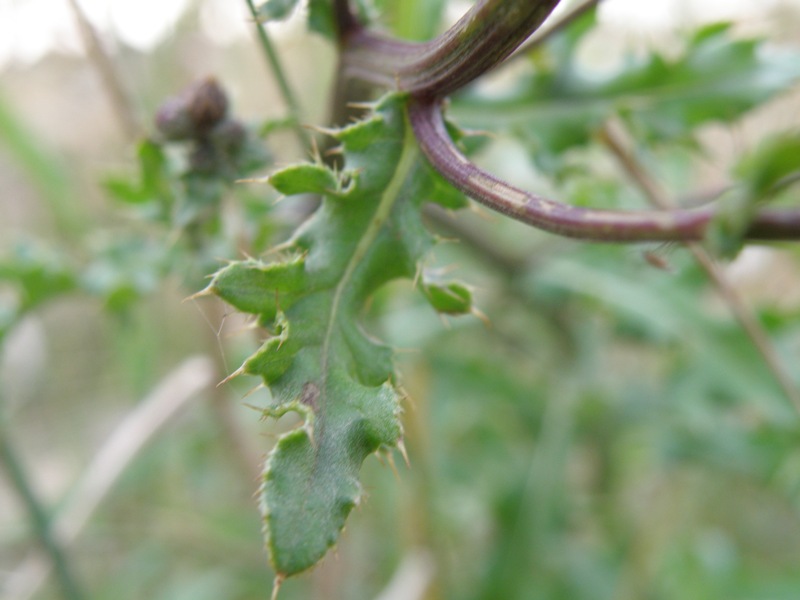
(488, 33)
(571, 221)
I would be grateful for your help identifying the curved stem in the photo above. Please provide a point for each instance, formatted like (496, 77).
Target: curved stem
(752, 327)
(555, 217)
(280, 77)
(482, 38)
(70, 589)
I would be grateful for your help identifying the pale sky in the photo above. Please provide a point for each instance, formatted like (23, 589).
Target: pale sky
(29, 29)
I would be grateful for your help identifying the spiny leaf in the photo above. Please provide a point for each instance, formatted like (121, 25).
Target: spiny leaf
(318, 361)
(305, 178)
(451, 298)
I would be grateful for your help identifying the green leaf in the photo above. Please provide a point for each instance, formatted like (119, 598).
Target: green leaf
(774, 160)
(305, 178)
(35, 274)
(761, 175)
(416, 20)
(451, 298)
(318, 361)
(320, 18)
(38, 274)
(558, 106)
(154, 184)
(275, 10)
(123, 270)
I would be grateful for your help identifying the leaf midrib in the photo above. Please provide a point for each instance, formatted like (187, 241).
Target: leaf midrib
(376, 223)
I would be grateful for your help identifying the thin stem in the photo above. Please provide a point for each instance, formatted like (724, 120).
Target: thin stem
(346, 21)
(172, 394)
(274, 63)
(541, 35)
(117, 94)
(571, 221)
(637, 172)
(70, 589)
(481, 39)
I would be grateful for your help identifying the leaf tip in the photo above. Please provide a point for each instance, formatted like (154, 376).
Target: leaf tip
(206, 291)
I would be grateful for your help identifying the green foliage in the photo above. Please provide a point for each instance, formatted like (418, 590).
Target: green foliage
(318, 362)
(559, 105)
(761, 175)
(450, 298)
(36, 274)
(582, 446)
(276, 9)
(320, 14)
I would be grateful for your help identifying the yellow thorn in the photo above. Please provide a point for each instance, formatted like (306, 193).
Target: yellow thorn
(276, 586)
(206, 291)
(252, 391)
(323, 130)
(401, 447)
(393, 466)
(233, 375)
(264, 179)
(482, 316)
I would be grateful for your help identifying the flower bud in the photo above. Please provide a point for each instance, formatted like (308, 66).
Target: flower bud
(173, 120)
(207, 102)
(228, 136)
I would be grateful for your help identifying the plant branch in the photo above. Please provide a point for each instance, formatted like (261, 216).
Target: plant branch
(571, 221)
(481, 39)
(117, 94)
(541, 35)
(275, 66)
(346, 22)
(70, 589)
(637, 172)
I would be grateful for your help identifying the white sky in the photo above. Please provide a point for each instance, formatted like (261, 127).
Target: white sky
(29, 29)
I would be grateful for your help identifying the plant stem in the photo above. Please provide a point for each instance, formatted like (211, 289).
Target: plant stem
(541, 35)
(637, 172)
(482, 38)
(274, 63)
(173, 394)
(117, 94)
(70, 589)
(572, 221)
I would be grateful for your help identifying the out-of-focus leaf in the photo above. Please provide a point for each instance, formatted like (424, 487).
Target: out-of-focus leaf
(152, 185)
(123, 270)
(768, 166)
(37, 273)
(559, 105)
(276, 10)
(416, 19)
(761, 175)
(451, 298)
(320, 17)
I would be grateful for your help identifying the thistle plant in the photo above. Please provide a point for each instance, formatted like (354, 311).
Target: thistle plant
(309, 294)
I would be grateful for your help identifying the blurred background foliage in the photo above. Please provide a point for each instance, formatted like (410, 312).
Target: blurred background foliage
(612, 433)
